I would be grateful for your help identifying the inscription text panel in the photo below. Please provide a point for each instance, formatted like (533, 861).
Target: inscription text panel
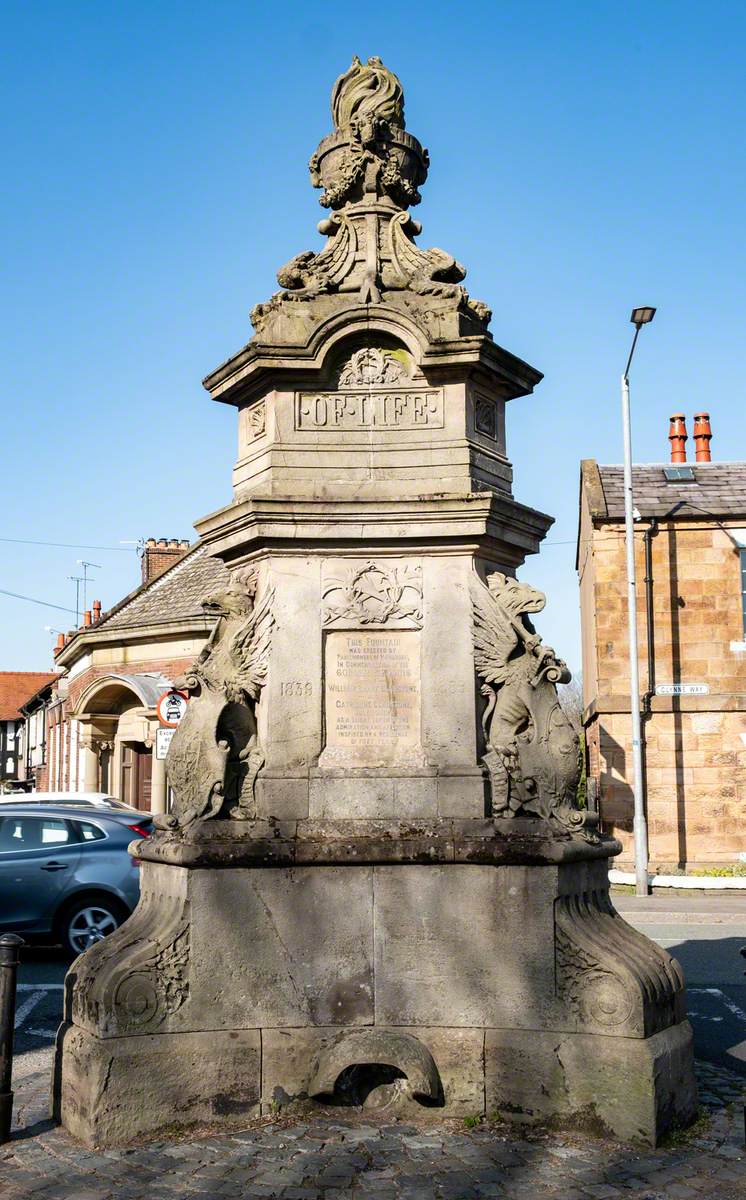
(372, 695)
(369, 410)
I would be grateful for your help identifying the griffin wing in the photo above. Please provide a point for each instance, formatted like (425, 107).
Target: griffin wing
(252, 644)
(494, 635)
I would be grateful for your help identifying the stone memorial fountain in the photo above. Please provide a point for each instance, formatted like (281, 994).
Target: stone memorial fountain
(375, 887)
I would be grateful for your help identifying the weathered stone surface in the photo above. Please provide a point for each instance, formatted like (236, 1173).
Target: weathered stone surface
(112, 1091)
(633, 1088)
(283, 947)
(463, 955)
(290, 1058)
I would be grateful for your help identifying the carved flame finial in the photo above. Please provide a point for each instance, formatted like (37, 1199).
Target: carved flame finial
(369, 171)
(367, 98)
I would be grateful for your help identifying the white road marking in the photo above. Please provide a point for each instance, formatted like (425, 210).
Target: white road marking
(40, 987)
(726, 1000)
(42, 1033)
(28, 1006)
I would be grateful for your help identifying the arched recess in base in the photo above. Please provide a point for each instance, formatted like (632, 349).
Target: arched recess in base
(359, 1061)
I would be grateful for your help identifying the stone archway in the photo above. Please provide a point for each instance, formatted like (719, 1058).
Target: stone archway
(118, 723)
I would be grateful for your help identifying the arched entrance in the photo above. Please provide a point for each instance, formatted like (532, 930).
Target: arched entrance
(119, 722)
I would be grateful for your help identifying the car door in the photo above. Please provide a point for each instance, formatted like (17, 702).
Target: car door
(38, 855)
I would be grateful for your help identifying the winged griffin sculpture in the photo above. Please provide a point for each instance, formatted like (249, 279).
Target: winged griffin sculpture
(532, 754)
(214, 757)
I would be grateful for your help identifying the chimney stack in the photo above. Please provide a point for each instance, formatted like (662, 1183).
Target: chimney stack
(677, 436)
(702, 435)
(159, 555)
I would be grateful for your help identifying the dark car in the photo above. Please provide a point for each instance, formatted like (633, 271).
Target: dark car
(65, 872)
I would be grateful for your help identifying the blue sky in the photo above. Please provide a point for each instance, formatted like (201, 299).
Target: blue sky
(585, 158)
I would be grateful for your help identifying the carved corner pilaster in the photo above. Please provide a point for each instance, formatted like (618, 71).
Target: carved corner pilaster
(611, 978)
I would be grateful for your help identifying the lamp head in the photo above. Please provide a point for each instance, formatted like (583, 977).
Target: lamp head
(642, 316)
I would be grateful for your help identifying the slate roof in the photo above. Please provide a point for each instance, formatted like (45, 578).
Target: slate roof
(175, 595)
(16, 687)
(718, 489)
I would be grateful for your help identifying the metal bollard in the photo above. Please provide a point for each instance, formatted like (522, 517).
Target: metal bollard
(10, 946)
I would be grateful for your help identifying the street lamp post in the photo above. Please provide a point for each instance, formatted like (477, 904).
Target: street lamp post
(640, 317)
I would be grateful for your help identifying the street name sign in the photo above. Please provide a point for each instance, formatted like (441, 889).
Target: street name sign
(682, 689)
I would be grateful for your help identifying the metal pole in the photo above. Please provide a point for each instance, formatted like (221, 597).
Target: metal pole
(640, 823)
(10, 945)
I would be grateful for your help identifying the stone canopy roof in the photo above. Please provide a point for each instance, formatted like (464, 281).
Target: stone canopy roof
(175, 595)
(717, 489)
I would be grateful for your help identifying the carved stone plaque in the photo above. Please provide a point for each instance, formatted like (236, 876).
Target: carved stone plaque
(334, 411)
(372, 697)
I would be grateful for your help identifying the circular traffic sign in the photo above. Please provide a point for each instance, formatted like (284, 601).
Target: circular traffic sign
(171, 708)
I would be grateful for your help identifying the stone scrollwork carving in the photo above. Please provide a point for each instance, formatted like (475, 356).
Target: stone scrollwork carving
(137, 978)
(370, 170)
(532, 755)
(610, 977)
(215, 756)
(373, 594)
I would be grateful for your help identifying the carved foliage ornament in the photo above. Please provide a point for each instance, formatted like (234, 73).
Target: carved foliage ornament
(532, 750)
(215, 756)
(373, 594)
(370, 366)
(611, 977)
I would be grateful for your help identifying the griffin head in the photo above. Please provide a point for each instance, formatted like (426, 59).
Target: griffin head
(515, 596)
(237, 600)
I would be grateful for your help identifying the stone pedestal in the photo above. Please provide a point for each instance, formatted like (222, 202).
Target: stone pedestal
(375, 886)
(476, 961)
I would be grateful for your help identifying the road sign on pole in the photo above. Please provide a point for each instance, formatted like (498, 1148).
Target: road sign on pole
(171, 708)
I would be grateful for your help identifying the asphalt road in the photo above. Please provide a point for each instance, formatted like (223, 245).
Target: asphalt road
(704, 935)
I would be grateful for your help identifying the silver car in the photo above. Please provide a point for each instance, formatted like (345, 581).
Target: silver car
(65, 871)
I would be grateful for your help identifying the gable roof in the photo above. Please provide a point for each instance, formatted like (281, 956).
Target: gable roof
(16, 687)
(175, 595)
(717, 490)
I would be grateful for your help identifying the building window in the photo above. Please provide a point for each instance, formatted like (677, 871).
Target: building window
(743, 590)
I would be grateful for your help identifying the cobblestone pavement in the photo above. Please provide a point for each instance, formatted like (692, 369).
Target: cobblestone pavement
(328, 1158)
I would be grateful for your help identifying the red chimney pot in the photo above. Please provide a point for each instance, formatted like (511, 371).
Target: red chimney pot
(677, 436)
(702, 435)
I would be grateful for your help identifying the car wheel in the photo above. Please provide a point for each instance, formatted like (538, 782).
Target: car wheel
(90, 921)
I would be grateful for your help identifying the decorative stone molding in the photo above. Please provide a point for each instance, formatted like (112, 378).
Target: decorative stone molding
(370, 366)
(371, 593)
(485, 416)
(256, 420)
(612, 978)
(138, 977)
(370, 170)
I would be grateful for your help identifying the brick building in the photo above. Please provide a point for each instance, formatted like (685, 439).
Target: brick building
(101, 717)
(690, 539)
(15, 688)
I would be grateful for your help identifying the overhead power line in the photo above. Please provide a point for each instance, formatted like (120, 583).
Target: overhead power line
(32, 600)
(67, 545)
